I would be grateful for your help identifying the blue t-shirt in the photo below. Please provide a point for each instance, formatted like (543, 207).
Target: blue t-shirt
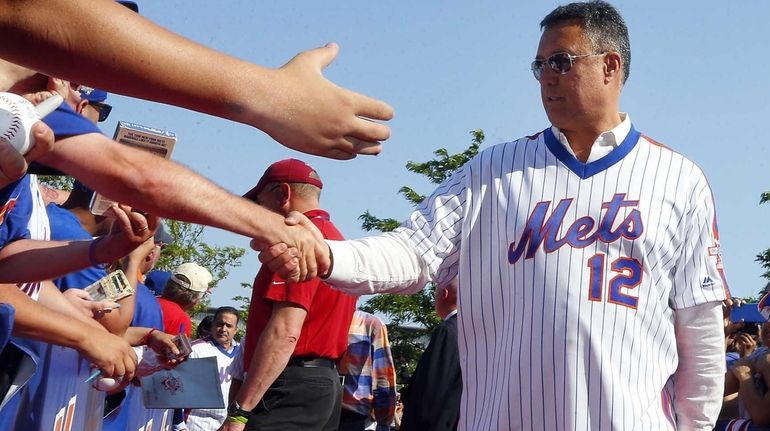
(65, 226)
(16, 211)
(64, 122)
(147, 312)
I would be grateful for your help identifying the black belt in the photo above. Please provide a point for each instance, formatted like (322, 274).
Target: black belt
(311, 362)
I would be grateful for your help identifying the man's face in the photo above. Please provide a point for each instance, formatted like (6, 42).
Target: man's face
(224, 327)
(574, 99)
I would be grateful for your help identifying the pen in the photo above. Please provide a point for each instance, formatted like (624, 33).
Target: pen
(94, 374)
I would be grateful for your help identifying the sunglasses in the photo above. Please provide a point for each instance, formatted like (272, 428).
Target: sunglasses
(103, 109)
(561, 63)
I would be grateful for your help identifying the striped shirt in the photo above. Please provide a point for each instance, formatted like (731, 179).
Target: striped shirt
(212, 419)
(367, 365)
(570, 276)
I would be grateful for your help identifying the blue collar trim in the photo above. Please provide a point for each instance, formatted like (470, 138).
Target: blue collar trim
(587, 170)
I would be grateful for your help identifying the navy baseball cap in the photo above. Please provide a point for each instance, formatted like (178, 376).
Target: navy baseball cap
(92, 94)
(156, 281)
(131, 5)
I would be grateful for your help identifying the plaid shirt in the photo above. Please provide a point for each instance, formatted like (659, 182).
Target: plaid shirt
(367, 365)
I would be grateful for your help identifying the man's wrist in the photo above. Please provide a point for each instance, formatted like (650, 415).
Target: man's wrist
(237, 419)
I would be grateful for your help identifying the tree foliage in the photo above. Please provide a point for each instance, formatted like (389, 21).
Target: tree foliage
(763, 257)
(407, 344)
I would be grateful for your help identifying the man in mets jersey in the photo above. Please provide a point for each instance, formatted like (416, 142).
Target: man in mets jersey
(588, 257)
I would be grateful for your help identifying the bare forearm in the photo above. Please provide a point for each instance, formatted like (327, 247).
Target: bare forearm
(170, 69)
(270, 358)
(31, 260)
(753, 400)
(52, 298)
(158, 186)
(38, 322)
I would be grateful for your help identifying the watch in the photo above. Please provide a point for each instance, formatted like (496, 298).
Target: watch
(235, 411)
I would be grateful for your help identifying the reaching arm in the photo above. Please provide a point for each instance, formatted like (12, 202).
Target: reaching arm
(170, 190)
(38, 322)
(699, 379)
(20, 261)
(282, 102)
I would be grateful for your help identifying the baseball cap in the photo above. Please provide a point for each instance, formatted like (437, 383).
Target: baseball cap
(192, 276)
(286, 171)
(156, 281)
(131, 5)
(92, 94)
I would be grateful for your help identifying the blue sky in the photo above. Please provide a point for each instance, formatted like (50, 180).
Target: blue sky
(697, 84)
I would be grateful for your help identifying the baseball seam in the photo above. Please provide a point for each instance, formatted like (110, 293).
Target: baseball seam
(15, 125)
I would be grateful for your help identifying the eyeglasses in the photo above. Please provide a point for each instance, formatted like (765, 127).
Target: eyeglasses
(561, 63)
(103, 109)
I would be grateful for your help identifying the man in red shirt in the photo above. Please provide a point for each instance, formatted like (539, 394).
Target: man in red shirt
(183, 291)
(296, 333)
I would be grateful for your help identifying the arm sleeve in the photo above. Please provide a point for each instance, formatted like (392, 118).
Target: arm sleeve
(699, 275)
(699, 378)
(425, 248)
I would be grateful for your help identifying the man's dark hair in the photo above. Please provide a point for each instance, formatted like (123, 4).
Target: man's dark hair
(601, 23)
(228, 309)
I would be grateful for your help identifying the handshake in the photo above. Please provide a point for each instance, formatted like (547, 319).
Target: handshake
(296, 251)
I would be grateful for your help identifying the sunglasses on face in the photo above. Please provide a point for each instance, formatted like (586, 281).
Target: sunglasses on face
(561, 63)
(103, 109)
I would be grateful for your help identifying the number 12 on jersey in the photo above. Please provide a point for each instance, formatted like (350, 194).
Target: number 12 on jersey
(628, 275)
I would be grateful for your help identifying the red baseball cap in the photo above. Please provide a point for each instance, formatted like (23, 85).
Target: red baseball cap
(286, 171)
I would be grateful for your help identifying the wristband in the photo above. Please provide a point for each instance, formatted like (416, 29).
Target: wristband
(237, 419)
(146, 337)
(92, 252)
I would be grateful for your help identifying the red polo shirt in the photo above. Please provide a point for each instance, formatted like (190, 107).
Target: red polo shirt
(329, 312)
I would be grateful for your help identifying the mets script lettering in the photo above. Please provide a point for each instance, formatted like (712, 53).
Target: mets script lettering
(582, 233)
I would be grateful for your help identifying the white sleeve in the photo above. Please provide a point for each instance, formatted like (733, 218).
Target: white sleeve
(377, 264)
(699, 275)
(699, 379)
(425, 248)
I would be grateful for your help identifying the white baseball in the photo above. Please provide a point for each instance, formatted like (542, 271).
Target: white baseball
(107, 384)
(17, 115)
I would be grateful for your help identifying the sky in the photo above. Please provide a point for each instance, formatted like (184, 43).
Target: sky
(698, 84)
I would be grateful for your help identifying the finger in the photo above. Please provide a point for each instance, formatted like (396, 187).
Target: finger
(273, 253)
(365, 148)
(103, 305)
(12, 164)
(343, 153)
(368, 107)
(43, 141)
(121, 218)
(304, 266)
(283, 263)
(324, 56)
(322, 257)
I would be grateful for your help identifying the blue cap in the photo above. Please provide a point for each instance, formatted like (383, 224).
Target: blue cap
(92, 94)
(156, 281)
(131, 5)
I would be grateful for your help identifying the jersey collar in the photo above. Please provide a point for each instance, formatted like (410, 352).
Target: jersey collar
(589, 169)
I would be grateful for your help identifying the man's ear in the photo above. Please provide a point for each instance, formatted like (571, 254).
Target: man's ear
(613, 67)
(285, 194)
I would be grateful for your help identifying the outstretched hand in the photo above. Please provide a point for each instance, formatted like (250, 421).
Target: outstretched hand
(303, 255)
(313, 115)
(129, 231)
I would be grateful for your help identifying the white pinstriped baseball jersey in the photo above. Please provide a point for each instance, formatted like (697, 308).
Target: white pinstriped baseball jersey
(569, 277)
(212, 419)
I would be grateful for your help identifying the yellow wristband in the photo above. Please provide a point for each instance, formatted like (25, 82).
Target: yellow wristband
(238, 419)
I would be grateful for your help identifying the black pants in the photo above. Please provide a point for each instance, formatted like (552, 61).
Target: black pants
(301, 398)
(351, 421)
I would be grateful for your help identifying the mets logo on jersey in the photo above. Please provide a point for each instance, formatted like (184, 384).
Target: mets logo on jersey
(582, 233)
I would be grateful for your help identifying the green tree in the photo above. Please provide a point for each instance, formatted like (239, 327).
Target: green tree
(764, 256)
(417, 309)
(189, 246)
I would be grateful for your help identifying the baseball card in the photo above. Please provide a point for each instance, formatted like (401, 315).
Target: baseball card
(113, 287)
(183, 344)
(156, 141)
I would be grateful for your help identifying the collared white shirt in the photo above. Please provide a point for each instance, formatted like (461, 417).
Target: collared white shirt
(605, 143)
